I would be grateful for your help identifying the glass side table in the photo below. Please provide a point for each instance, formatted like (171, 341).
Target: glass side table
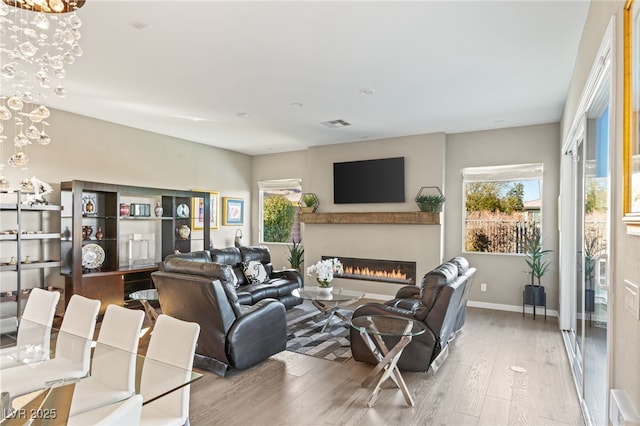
(144, 296)
(374, 327)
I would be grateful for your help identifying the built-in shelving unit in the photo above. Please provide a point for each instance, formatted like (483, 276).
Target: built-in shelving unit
(398, 218)
(29, 247)
(152, 237)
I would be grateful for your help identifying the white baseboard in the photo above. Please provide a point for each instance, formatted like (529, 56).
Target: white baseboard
(511, 308)
(482, 305)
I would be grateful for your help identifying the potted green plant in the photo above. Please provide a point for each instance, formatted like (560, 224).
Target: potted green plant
(308, 202)
(430, 203)
(296, 255)
(534, 293)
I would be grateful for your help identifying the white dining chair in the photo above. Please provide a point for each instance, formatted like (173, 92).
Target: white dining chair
(34, 329)
(173, 342)
(113, 366)
(72, 354)
(123, 413)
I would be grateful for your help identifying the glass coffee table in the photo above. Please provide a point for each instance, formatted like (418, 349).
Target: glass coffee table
(329, 303)
(378, 326)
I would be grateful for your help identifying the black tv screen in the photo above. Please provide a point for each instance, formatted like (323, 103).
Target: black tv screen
(369, 181)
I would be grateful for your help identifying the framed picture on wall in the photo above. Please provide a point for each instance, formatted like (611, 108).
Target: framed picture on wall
(232, 211)
(197, 207)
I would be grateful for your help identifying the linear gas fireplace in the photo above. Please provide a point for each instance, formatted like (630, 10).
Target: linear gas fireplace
(388, 271)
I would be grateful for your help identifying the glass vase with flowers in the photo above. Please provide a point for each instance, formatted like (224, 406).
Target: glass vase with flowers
(325, 270)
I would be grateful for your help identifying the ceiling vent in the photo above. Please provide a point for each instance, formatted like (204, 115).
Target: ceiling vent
(334, 124)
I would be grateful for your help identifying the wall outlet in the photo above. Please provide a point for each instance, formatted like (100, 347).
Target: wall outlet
(483, 287)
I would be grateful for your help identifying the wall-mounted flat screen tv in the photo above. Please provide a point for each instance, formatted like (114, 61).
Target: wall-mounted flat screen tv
(369, 181)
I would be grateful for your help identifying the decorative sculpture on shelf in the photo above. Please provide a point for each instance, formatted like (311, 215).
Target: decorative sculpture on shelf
(36, 190)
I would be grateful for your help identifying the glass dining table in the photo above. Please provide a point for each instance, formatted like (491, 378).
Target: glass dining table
(37, 377)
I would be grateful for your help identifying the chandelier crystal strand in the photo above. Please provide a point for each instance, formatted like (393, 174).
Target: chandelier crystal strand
(38, 40)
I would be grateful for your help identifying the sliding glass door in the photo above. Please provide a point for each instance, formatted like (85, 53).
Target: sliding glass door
(587, 249)
(595, 254)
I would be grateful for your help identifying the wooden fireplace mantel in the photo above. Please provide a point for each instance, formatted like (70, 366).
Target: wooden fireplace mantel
(399, 218)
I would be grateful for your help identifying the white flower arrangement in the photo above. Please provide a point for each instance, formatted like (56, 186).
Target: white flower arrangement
(325, 269)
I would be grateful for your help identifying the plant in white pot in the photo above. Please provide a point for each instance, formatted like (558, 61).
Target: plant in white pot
(535, 258)
(325, 270)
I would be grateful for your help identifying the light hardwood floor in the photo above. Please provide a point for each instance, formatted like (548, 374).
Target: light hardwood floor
(475, 386)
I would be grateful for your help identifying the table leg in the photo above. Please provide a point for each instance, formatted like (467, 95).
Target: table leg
(392, 369)
(388, 363)
(331, 310)
(151, 312)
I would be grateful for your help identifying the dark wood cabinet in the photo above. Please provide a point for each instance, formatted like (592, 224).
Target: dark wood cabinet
(110, 264)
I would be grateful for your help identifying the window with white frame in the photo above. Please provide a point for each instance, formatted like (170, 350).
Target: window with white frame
(279, 210)
(503, 207)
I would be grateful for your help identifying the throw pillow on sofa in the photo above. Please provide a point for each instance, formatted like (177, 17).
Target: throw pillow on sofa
(255, 272)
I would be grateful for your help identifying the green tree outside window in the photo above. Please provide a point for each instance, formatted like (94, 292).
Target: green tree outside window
(278, 219)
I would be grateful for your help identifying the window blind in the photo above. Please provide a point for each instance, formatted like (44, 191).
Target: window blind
(510, 172)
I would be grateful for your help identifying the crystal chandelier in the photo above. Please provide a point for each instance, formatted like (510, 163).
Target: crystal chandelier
(38, 40)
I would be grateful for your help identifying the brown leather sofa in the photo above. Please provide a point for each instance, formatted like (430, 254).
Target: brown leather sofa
(232, 335)
(440, 303)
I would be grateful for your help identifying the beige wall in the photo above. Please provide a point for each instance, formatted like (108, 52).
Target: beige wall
(87, 149)
(503, 274)
(624, 330)
(424, 166)
(430, 160)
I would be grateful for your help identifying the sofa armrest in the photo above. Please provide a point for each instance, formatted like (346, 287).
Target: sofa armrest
(259, 332)
(406, 304)
(289, 274)
(381, 309)
(408, 292)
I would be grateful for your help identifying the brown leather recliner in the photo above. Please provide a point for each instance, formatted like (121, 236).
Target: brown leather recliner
(437, 303)
(232, 336)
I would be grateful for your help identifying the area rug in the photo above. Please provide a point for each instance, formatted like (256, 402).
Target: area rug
(304, 323)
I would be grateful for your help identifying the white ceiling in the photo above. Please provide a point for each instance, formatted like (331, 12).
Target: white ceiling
(187, 68)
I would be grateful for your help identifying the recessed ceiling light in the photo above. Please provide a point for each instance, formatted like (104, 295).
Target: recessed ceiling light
(242, 114)
(367, 91)
(295, 105)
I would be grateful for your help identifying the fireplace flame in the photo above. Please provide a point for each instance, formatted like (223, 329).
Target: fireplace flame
(366, 272)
